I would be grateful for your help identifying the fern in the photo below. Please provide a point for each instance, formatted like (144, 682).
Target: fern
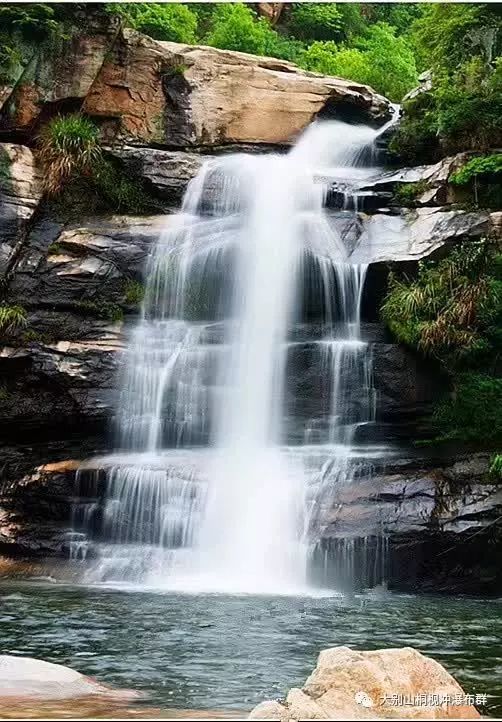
(11, 318)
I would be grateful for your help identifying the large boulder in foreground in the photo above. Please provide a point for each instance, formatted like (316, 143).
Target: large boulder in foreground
(22, 677)
(382, 684)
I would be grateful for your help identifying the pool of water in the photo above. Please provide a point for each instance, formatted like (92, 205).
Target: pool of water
(230, 652)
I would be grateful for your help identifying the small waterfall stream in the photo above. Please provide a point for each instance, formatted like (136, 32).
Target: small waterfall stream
(209, 489)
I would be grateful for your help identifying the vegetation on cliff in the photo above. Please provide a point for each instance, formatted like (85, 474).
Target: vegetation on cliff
(452, 311)
(461, 45)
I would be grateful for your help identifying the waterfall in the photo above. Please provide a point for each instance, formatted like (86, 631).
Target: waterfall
(208, 489)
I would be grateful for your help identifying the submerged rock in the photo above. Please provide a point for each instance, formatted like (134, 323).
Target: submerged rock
(22, 677)
(381, 684)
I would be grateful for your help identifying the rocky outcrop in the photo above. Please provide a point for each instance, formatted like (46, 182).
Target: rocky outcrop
(58, 76)
(429, 519)
(176, 95)
(381, 684)
(185, 95)
(20, 194)
(431, 181)
(409, 236)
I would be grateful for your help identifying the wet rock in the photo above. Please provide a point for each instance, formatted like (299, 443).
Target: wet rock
(83, 264)
(381, 684)
(22, 677)
(428, 521)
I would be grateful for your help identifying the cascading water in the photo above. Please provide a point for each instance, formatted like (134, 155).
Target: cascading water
(207, 491)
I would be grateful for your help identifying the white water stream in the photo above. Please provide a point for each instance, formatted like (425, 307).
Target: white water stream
(206, 491)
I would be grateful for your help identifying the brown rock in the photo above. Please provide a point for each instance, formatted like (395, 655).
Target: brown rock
(182, 95)
(271, 11)
(383, 684)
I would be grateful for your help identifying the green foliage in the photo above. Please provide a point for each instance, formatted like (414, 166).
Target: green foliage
(103, 309)
(496, 467)
(449, 34)
(484, 166)
(73, 158)
(316, 21)
(452, 311)
(379, 59)
(473, 412)
(11, 318)
(68, 145)
(19, 24)
(118, 191)
(163, 21)
(407, 193)
(134, 292)
(461, 44)
(236, 27)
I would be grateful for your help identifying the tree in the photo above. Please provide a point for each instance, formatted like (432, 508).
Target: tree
(174, 22)
(379, 59)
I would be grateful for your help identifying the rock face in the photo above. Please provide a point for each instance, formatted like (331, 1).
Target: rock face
(185, 95)
(20, 193)
(25, 677)
(428, 520)
(382, 684)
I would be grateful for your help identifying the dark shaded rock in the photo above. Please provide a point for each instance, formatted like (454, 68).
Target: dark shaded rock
(426, 525)
(89, 263)
(165, 173)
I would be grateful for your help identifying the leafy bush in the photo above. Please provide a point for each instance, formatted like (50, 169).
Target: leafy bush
(11, 318)
(163, 21)
(379, 59)
(316, 21)
(68, 145)
(236, 27)
(473, 412)
(461, 44)
(120, 193)
(407, 193)
(484, 166)
(452, 311)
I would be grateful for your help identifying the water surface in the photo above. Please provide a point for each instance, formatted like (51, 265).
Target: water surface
(218, 652)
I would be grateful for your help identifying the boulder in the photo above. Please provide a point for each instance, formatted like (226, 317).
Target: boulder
(20, 193)
(184, 95)
(25, 677)
(382, 684)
